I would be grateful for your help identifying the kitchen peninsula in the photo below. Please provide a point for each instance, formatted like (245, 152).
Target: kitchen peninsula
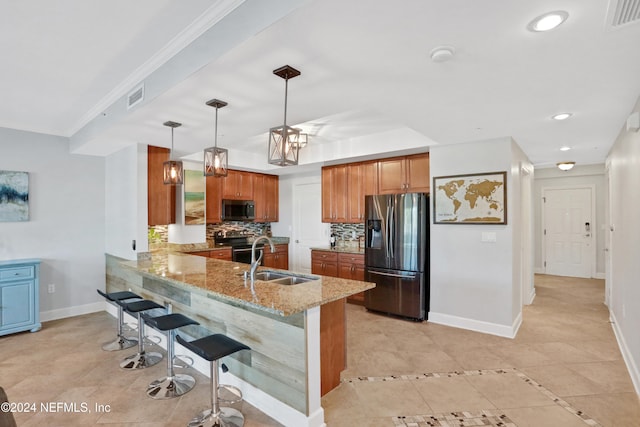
(296, 332)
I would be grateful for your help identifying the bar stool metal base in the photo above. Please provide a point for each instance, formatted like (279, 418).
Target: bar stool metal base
(170, 387)
(120, 343)
(227, 417)
(141, 360)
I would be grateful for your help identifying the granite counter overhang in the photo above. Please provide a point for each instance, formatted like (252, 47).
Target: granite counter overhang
(223, 280)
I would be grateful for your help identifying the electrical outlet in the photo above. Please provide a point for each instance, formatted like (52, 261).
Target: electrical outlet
(353, 234)
(51, 288)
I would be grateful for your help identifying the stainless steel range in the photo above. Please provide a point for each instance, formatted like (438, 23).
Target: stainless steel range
(240, 242)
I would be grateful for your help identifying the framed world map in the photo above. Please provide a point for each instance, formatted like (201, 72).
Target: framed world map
(470, 199)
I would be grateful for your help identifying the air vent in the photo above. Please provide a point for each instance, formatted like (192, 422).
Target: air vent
(623, 12)
(135, 97)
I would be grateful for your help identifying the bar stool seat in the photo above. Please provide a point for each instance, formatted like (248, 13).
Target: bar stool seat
(173, 385)
(141, 359)
(121, 342)
(213, 348)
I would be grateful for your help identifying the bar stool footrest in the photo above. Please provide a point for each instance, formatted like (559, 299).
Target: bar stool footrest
(227, 417)
(228, 394)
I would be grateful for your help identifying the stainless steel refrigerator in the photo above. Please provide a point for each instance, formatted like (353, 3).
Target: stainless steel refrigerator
(397, 254)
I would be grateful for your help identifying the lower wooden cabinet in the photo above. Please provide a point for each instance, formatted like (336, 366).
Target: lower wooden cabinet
(324, 263)
(342, 265)
(223, 254)
(351, 266)
(278, 259)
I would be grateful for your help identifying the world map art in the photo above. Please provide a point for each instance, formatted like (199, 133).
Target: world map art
(470, 199)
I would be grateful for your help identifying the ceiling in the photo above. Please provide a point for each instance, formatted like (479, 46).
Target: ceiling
(368, 86)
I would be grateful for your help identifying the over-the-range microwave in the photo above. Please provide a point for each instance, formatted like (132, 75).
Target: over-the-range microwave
(238, 210)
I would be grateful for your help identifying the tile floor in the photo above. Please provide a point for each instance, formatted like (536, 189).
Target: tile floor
(563, 369)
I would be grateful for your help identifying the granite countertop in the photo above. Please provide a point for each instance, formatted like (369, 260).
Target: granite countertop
(224, 280)
(346, 249)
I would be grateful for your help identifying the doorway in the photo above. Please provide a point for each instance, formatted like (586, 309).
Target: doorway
(308, 229)
(568, 222)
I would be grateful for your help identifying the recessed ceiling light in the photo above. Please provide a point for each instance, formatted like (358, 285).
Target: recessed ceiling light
(548, 21)
(442, 53)
(565, 148)
(561, 116)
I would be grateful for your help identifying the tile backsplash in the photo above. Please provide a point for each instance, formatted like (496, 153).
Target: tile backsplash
(256, 228)
(346, 231)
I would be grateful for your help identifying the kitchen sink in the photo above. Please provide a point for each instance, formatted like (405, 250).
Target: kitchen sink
(283, 278)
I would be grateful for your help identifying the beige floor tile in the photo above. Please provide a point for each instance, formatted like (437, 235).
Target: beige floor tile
(390, 398)
(547, 416)
(612, 376)
(610, 410)
(508, 391)
(522, 355)
(563, 381)
(475, 358)
(342, 403)
(451, 394)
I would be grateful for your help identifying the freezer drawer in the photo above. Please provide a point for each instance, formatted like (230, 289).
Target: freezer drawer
(397, 292)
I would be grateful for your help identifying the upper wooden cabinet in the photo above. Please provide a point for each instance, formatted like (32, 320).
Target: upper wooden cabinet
(404, 174)
(161, 198)
(362, 181)
(335, 195)
(265, 190)
(213, 199)
(238, 185)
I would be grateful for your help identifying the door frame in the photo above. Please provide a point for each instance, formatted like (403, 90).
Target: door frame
(594, 219)
(527, 249)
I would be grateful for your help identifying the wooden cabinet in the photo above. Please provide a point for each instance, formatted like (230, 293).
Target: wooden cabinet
(237, 185)
(265, 190)
(335, 196)
(362, 180)
(223, 254)
(333, 344)
(161, 198)
(19, 296)
(324, 263)
(278, 259)
(351, 266)
(404, 174)
(213, 200)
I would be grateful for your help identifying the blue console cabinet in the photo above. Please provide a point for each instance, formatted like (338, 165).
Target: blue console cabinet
(19, 296)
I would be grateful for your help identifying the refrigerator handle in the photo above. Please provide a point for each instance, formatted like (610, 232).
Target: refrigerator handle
(401, 276)
(387, 238)
(392, 237)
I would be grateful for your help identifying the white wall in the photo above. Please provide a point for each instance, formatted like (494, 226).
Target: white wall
(66, 229)
(473, 284)
(579, 175)
(623, 163)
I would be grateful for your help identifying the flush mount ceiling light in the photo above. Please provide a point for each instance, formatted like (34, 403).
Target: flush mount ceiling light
(548, 21)
(216, 160)
(442, 53)
(561, 116)
(565, 166)
(565, 148)
(172, 169)
(284, 140)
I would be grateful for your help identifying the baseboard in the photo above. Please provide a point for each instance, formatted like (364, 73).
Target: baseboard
(77, 310)
(531, 297)
(271, 406)
(626, 354)
(601, 276)
(538, 270)
(477, 325)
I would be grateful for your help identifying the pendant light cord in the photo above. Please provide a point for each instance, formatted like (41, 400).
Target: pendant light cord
(215, 133)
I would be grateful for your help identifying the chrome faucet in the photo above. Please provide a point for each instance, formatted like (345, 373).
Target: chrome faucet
(256, 262)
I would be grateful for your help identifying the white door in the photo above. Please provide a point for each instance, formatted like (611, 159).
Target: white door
(569, 231)
(308, 229)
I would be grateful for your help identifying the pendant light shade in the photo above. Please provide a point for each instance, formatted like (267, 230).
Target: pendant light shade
(216, 160)
(172, 169)
(284, 140)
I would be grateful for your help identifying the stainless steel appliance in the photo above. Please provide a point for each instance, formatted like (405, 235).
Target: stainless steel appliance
(240, 245)
(238, 210)
(397, 254)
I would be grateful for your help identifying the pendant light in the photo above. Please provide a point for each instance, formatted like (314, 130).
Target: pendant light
(173, 168)
(283, 140)
(216, 160)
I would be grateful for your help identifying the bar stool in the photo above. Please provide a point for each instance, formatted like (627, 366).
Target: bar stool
(213, 348)
(141, 359)
(173, 385)
(121, 342)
